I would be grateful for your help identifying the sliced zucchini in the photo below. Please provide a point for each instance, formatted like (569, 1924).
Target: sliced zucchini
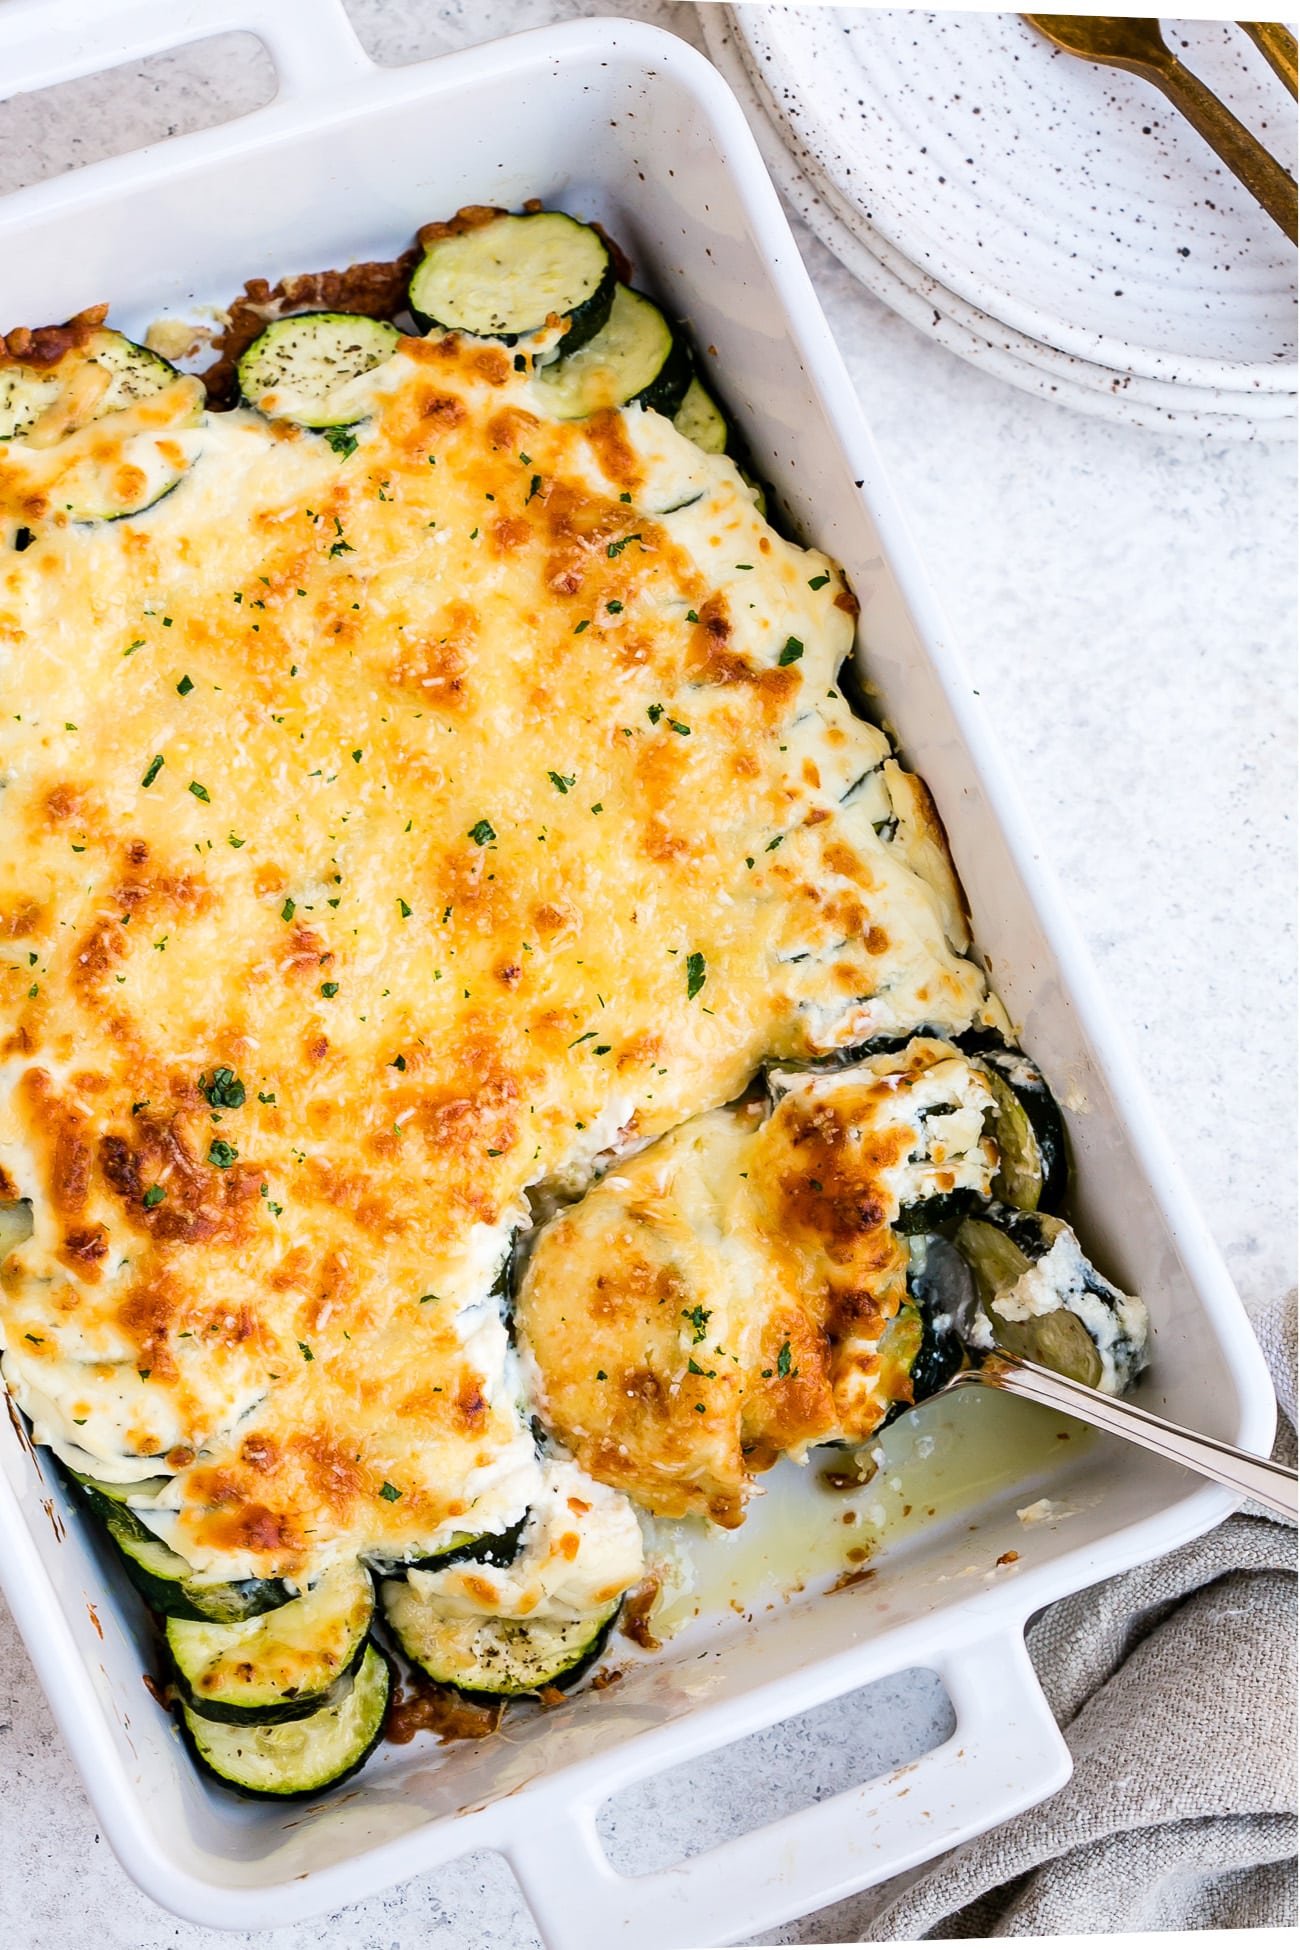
(636, 359)
(700, 420)
(1023, 1262)
(487, 1547)
(109, 371)
(306, 368)
(121, 1492)
(1029, 1131)
(282, 1665)
(493, 1658)
(939, 1285)
(293, 1758)
(167, 1582)
(504, 279)
(940, 1209)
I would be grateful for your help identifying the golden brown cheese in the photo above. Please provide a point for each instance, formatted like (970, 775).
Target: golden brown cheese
(724, 1296)
(478, 799)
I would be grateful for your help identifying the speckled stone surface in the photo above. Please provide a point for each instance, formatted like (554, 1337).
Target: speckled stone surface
(1127, 602)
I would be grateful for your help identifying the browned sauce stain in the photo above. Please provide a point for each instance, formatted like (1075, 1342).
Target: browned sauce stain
(426, 1708)
(94, 1619)
(634, 1620)
(850, 1578)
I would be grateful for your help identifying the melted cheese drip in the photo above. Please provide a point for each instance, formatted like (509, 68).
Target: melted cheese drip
(481, 798)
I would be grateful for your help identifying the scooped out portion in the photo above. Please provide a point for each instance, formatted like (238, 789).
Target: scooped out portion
(764, 1278)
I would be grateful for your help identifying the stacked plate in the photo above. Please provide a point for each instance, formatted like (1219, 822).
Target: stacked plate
(1054, 221)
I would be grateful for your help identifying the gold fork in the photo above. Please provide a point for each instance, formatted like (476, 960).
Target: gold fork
(1277, 45)
(1139, 47)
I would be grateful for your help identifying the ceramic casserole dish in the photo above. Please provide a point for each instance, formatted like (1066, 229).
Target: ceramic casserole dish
(621, 122)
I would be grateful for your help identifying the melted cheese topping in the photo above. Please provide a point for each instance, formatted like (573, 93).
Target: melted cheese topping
(724, 1296)
(479, 799)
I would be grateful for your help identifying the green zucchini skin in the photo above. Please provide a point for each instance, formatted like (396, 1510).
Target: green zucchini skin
(294, 1759)
(304, 364)
(503, 279)
(636, 359)
(489, 1659)
(284, 1664)
(500, 1548)
(940, 1210)
(166, 1581)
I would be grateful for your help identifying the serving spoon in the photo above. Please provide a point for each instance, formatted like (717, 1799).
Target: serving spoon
(992, 1366)
(1139, 47)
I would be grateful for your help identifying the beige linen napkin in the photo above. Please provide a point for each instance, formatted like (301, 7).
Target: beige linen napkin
(1175, 1687)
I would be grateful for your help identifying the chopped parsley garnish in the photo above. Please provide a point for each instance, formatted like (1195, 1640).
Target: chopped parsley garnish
(154, 1196)
(153, 768)
(289, 909)
(783, 1367)
(342, 440)
(696, 975)
(615, 607)
(233, 841)
(221, 1154)
(398, 1063)
(693, 1367)
(691, 617)
(131, 648)
(200, 792)
(341, 548)
(562, 781)
(357, 756)
(328, 989)
(791, 652)
(818, 582)
(225, 1091)
(699, 1317)
(389, 1492)
(305, 1351)
(403, 909)
(482, 832)
(772, 845)
(185, 686)
(616, 548)
(533, 486)
(682, 730)
(266, 1096)
(654, 712)
(585, 624)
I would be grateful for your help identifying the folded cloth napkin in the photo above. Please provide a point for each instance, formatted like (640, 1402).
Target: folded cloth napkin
(1175, 1687)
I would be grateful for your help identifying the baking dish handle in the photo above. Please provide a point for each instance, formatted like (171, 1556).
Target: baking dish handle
(43, 42)
(1006, 1755)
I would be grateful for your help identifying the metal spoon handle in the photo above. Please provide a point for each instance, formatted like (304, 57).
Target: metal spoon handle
(1265, 1482)
(1230, 140)
(1277, 45)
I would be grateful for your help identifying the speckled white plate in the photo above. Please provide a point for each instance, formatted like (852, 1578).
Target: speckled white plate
(1040, 205)
(962, 328)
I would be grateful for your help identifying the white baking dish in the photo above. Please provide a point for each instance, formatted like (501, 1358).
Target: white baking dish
(621, 121)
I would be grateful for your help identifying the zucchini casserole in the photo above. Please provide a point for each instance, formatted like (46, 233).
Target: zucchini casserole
(489, 1041)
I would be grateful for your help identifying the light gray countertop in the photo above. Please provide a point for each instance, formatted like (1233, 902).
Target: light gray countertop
(1126, 601)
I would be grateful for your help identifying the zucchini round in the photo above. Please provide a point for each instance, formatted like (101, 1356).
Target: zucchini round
(504, 279)
(493, 1658)
(636, 359)
(305, 368)
(167, 1582)
(1094, 1333)
(283, 1664)
(939, 1285)
(124, 373)
(1029, 1131)
(701, 420)
(294, 1758)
